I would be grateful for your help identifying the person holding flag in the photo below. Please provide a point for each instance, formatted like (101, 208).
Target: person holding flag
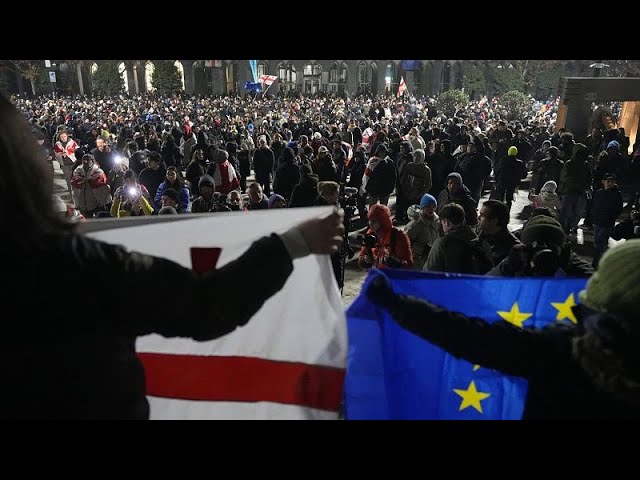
(76, 356)
(402, 88)
(585, 369)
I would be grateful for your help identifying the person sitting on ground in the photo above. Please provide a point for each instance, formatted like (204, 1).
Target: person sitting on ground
(628, 228)
(543, 252)
(132, 199)
(257, 199)
(459, 250)
(423, 230)
(384, 246)
(205, 201)
(276, 201)
(547, 198)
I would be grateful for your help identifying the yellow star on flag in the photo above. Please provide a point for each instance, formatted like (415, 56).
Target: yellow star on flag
(564, 309)
(471, 397)
(515, 316)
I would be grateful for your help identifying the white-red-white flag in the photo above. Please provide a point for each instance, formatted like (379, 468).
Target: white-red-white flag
(267, 79)
(287, 362)
(402, 87)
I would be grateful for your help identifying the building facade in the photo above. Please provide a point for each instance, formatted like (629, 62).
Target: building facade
(350, 77)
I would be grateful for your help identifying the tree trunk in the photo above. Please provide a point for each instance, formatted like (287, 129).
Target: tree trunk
(33, 86)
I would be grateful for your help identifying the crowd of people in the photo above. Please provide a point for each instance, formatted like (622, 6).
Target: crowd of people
(150, 154)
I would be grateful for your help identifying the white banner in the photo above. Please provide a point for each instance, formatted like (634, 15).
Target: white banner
(287, 363)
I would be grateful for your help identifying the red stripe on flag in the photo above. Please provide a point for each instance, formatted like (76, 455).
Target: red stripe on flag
(242, 379)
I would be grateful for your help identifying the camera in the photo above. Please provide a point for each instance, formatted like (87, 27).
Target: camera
(348, 201)
(220, 203)
(369, 240)
(542, 260)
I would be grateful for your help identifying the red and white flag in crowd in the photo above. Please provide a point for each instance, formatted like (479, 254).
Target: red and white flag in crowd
(287, 362)
(402, 87)
(268, 79)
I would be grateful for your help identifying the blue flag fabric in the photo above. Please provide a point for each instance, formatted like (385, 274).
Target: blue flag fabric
(253, 87)
(394, 374)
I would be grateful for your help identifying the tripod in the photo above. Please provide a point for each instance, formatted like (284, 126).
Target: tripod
(345, 249)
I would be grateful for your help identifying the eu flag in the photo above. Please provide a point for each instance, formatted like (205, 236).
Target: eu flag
(393, 374)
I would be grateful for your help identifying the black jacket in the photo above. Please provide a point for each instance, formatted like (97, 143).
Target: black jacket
(607, 205)
(500, 244)
(286, 178)
(558, 387)
(75, 356)
(305, 192)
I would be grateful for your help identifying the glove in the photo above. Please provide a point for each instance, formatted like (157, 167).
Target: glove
(380, 293)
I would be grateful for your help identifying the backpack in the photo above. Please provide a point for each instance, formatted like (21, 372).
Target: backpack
(479, 261)
(383, 178)
(415, 180)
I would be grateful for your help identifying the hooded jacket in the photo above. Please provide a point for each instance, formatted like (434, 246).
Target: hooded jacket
(463, 198)
(401, 248)
(422, 233)
(575, 177)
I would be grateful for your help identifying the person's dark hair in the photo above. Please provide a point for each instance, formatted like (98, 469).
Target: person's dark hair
(566, 137)
(211, 153)
(179, 182)
(130, 174)
(499, 211)
(26, 185)
(454, 213)
(155, 156)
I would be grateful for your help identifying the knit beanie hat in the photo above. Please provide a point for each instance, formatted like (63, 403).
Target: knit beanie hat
(615, 286)
(206, 179)
(513, 151)
(542, 229)
(274, 198)
(428, 200)
(613, 144)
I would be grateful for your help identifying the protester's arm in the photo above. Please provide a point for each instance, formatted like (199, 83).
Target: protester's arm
(209, 305)
(500, 345)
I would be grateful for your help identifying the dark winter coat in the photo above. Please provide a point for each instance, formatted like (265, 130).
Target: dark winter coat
(607, 205)
(304, 194)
